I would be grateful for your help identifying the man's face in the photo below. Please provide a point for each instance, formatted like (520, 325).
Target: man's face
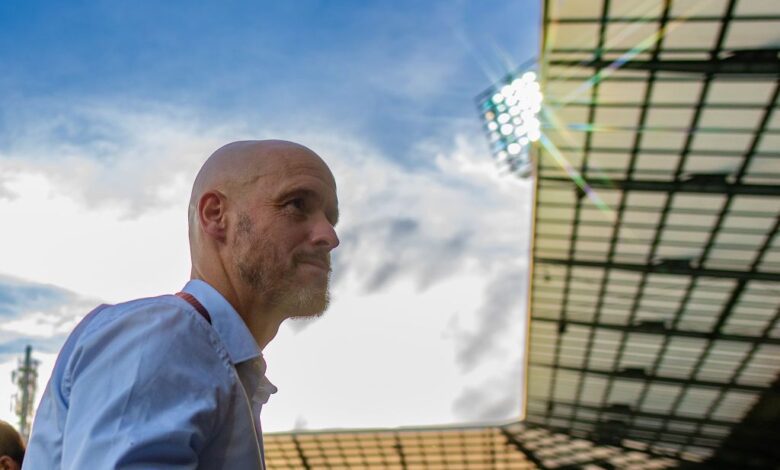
(284, 234)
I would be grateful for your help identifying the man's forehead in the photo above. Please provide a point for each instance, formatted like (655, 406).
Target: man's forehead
(293, 167)
(251, 159)
(282, 174)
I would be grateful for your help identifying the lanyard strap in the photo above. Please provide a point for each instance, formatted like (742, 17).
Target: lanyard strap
(195, 304)
(190, 299)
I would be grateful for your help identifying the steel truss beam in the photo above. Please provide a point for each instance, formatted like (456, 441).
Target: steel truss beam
(644, 242)
(656, 105)
(651, 19)
(667, 151)
(654, 210)
(644, 226)
(634, 432)
(585, 289)
(663, 330)
(667, 268)
(617, 409)
(708, 184)
(593, 98)
(301, 453)
(641, 375)
(747, 63)
(513, 440)
(529, 454)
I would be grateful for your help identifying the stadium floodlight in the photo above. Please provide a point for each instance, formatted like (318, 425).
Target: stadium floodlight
(510, 112)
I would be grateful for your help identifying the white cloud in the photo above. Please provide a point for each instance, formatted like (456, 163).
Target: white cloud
(41, 324)
(133, 156)
(102, 211)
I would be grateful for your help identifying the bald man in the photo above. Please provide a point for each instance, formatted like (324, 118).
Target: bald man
(178, 381)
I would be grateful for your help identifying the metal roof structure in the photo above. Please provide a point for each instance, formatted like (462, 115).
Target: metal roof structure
(656, 281)
(515, 446)
(402, 449)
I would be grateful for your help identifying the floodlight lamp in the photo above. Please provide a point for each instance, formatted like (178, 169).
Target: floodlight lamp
(509, 110)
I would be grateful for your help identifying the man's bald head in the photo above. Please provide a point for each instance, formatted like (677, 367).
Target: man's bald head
(234, 166)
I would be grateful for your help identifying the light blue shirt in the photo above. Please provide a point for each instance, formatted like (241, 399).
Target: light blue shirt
(150, 384)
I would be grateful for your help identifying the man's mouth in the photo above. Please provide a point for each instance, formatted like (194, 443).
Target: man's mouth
(316, 261)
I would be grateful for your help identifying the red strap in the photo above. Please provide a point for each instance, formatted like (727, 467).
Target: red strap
(195, 304)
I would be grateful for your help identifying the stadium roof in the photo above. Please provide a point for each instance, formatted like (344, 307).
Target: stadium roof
(513, 446)
(656, 284)
(403, 449)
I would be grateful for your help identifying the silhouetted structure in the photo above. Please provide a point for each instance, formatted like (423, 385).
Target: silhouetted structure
(25, 377)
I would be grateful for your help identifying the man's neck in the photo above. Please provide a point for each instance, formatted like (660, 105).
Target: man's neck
(261, 320)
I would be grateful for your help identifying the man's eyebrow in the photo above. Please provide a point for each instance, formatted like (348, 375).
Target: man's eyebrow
(299, 192)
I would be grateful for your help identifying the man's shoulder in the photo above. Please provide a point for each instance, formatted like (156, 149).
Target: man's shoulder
(162, 329)
(162, 320)
(168, 309)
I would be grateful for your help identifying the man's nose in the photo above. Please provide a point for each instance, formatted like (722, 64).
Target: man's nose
(324, 234)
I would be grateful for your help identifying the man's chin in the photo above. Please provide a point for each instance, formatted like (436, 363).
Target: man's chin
(302, 317)
(309, 303)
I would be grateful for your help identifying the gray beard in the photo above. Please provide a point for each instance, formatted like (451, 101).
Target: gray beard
(278, 289)
(294, 301)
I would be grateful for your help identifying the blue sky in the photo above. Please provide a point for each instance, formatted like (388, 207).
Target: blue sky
(109, 108)
(395, 71)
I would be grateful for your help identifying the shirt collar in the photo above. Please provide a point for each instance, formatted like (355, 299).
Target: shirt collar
(231, 329)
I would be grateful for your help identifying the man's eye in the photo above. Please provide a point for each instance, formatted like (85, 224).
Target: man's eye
(297, 204)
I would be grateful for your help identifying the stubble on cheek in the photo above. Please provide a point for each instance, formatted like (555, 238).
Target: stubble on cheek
(270, 275)
(255, 257)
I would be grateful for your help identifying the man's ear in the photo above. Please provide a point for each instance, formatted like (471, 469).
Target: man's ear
(212, 214)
